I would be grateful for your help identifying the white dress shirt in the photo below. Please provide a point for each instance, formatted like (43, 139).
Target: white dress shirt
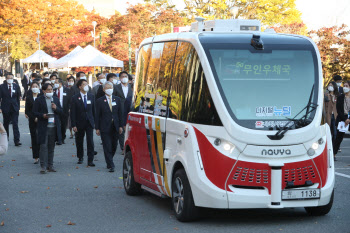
(61, 96)
(125, 90)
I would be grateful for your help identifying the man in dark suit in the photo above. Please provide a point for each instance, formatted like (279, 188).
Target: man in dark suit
(47, 109)
(123, 91)
(10, 96)
(338, 80)
(75, 89)
(62, 93)
(25, 84)
(109, 122)
(83, 121)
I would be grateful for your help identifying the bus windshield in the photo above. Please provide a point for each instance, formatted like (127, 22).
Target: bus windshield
(263, 89)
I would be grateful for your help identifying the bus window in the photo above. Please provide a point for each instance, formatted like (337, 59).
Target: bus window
(139, 92)
(161, 88)
(190, 97)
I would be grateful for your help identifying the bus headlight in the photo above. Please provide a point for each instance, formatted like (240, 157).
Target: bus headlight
(228, 147)
(315, 146)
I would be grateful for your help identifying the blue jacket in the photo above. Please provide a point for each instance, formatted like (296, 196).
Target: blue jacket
(104, 115)
(9, 103)
(39, 109)
(80, 116)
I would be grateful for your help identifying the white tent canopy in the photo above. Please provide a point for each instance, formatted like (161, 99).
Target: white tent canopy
(61, 63)
(90, 56)
(39, 57)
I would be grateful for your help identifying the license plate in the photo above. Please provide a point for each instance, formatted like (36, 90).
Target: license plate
(300, 194)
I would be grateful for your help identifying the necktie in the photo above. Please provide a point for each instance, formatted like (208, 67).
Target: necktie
(110, 103)
(85, 102)
(59, 94)
(10, 91)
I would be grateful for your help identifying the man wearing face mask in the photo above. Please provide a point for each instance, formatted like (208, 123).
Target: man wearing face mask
(82, 113)
(338, 80)
(75, 90)
(101, 81)
(47, 109)
(61, 92)
(10, 96)
(109, 123)
(123, 91)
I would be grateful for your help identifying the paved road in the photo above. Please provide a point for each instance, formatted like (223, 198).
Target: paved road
(94, 200)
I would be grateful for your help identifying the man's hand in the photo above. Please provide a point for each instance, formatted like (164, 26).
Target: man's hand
(53, 106)
(0, 111)
(26, 116)
(45, 116)
(98, 132)
(75, 129)
(36, 120)
(120, 130)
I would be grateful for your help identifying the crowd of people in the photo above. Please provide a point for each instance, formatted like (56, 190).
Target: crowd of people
(53, 106)
(337, 110)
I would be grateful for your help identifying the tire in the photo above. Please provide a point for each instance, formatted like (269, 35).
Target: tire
(321, 210)
(182, 199)
(131, 187)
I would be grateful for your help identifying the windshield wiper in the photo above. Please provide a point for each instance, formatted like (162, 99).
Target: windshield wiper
(298, 123)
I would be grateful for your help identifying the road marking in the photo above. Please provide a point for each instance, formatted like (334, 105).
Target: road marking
(343, 175)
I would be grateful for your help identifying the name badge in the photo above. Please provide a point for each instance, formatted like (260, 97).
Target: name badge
(64, 94)
(51, 120)
(88, 102)
(13, 91)
(114, 103)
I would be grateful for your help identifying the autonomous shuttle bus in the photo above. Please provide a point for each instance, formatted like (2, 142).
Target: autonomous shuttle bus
(227, 116)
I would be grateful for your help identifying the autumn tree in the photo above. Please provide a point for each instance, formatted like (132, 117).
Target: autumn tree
(143, 21)
(267, 11)
(293, 28)
(334, 47)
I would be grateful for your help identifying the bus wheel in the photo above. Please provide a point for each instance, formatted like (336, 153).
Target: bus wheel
(320, 210)
(131, 187)
(182, 199)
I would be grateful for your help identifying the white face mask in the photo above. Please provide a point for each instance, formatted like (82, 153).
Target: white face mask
(86, 88)
(331, 88)
(338, 84)
(53, 81)
(115, 81)
(83, 78)
(109, 92)
(49, 95)
(103, 81)
(9, 81)
(346, 89)
(125, 80)
(56, 86)
(71, 83)
(35, 90)
(39, 85)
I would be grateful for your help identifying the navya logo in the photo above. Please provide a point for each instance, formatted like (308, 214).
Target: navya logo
(276, 152)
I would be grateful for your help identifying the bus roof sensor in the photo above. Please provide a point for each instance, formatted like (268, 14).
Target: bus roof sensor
(257, 43)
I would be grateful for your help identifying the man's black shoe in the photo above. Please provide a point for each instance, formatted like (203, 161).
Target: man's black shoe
(18, 144)
(58, 143)
(63, 142)
(95, 152)
(80, 161)
(111, 170)
(91, 164)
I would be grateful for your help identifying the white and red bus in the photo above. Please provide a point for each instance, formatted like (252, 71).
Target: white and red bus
(228, 117)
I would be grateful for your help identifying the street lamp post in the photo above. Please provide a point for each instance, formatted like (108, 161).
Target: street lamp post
(38, 40)
(94, 23)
